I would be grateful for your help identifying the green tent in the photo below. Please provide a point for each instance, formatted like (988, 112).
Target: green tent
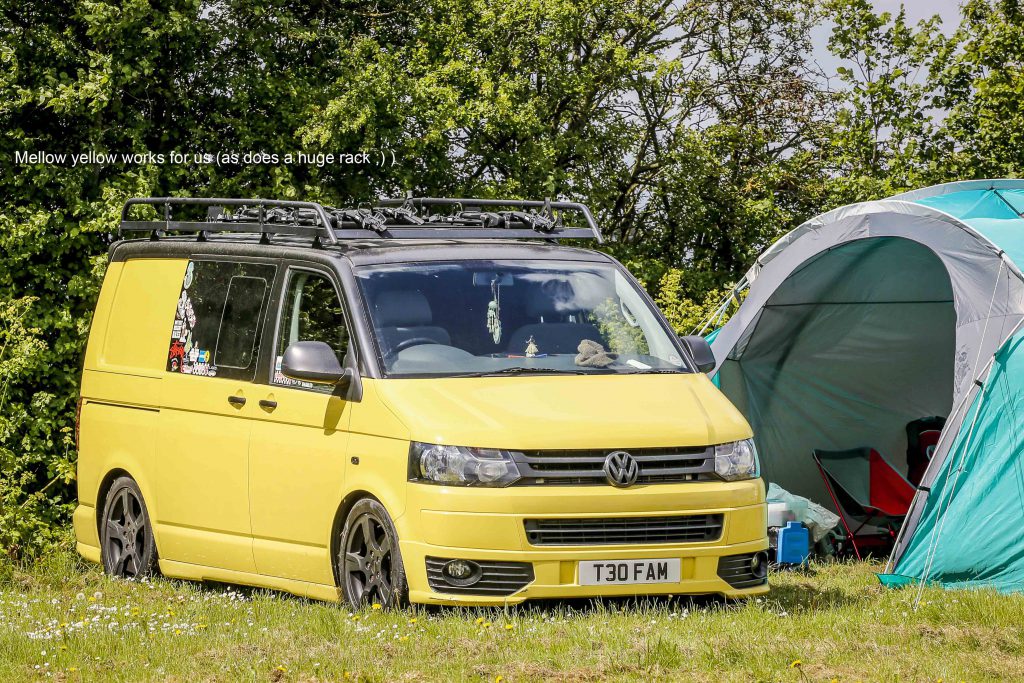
(874, 315)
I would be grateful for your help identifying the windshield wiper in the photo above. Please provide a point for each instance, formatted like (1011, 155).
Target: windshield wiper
(656, 371)
(521, 371)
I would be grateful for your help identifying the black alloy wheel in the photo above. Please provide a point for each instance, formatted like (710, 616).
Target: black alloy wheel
(128, 549)
(369, 564)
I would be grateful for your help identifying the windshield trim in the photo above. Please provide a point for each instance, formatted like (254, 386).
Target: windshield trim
(687, 367)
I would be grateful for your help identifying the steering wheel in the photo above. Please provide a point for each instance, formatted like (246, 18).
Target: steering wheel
(406, 343)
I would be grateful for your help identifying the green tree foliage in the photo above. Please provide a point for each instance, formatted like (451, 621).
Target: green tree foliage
(29, 514)
(886, 119)
(982, 91)
(689, 316)
(135, 77)
(920, 106)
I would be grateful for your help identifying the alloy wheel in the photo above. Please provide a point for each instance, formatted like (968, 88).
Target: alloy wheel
(126, 535)
(368, 565)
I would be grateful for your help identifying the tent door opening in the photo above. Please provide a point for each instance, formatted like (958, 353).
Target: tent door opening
(855, 344)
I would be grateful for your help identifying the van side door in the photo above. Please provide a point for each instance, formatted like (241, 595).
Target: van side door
(299, 449)
(207, 411)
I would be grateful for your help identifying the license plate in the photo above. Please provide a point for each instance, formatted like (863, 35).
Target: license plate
(611, 572)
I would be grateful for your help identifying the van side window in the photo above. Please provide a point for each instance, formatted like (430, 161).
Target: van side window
(218, 319)
(310, 311)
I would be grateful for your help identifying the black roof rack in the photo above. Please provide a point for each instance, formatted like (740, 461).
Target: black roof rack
(410, 218)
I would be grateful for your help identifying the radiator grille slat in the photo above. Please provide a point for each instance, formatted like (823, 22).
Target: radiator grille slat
(624, 530)
(586, 467)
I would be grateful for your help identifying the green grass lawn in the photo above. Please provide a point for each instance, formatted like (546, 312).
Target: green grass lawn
(63, 620)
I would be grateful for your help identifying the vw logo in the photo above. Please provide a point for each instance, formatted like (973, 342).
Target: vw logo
(620, 469)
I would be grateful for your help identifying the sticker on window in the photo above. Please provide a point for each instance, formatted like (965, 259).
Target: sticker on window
(280, 378)
(183, 356)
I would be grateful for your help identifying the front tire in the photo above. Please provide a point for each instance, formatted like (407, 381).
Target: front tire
(369, 561)
(127, 546)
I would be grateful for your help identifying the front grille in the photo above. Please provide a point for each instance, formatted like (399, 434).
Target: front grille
(586, 467)
(623, 530)
(497, 578)
(735, 571)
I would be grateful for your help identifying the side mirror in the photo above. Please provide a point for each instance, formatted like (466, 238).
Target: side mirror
(700, 351)
(314, 361)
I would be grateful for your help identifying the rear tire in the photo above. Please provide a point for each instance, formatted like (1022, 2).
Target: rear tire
(369, 561)
(127, 547)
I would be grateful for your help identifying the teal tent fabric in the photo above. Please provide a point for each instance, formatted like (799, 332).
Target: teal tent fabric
(969, 533)
(971, 204)
(1013, 197)
(995, 214)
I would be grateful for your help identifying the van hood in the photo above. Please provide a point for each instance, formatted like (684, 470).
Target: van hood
(527, 412)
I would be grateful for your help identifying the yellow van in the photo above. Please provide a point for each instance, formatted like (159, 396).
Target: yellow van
(430, 401)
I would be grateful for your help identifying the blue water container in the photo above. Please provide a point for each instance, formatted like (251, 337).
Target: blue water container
(794, 544)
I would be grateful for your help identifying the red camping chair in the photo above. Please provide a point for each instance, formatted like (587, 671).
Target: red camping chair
(865, 488)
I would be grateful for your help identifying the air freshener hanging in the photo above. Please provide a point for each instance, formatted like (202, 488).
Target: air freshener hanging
(494, 312)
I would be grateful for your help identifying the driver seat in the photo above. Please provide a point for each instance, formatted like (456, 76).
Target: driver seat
(405, 314)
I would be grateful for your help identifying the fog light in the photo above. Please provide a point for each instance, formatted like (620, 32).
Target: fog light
(759, 565)
(461, 572)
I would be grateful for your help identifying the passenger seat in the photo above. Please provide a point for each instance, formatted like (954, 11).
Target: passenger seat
(550, 333)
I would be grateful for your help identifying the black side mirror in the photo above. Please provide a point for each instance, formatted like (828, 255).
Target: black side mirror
(314, 361)
(700, 351)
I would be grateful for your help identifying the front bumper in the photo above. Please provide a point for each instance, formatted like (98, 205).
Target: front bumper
(488, 526)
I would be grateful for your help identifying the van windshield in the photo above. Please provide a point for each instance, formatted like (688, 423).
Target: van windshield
(480, 318)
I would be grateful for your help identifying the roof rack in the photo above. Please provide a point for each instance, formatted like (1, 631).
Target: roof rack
(410, 218)
(264, 216)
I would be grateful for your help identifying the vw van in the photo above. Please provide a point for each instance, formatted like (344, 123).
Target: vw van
(430, 401)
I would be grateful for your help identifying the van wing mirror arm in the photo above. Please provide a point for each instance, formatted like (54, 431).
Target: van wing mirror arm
(350, 385)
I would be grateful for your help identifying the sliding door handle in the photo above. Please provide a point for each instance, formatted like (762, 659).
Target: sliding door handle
(236, 400)
(268, 404)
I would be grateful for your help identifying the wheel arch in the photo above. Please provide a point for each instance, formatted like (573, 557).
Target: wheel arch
(106, 483)
(340, 514)
(101, 495)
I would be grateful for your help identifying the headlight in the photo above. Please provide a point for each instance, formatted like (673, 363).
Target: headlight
(737, 460)
(461, 466)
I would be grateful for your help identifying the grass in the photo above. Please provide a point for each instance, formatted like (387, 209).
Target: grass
(63, 620)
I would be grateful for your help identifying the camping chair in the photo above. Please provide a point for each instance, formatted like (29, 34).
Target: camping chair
(922, 438)
(865, 488)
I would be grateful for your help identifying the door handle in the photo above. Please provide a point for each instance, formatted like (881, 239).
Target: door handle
(268, 404)
(236, 400)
